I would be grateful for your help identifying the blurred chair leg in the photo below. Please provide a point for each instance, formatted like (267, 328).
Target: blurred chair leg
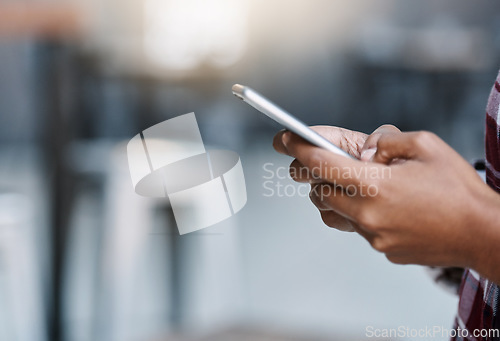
(56, 79)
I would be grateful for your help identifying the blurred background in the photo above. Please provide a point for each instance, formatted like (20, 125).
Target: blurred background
(82, 257)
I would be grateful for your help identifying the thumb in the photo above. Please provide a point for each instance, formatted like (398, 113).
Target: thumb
(370, 145)
(399, 146)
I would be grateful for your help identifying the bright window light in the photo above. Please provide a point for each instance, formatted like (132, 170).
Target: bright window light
(182, 34)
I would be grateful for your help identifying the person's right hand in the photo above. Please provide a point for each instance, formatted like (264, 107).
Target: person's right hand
(359, 145)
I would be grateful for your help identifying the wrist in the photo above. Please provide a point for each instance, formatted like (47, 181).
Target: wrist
(483, 253)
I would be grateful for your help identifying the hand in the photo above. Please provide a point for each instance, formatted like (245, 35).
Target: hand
(429, 209)
(359, 145)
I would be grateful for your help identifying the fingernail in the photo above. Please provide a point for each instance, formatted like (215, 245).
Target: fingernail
(367, 154)
(286, 138)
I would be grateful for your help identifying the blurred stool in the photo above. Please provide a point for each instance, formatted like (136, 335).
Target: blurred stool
(21, 311)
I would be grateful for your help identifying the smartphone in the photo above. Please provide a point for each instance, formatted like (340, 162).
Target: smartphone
(288, 121)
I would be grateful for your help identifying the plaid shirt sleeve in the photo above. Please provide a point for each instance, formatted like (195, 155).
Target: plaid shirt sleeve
(478, 306)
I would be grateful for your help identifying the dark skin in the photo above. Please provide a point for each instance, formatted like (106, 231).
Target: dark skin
(426, 206)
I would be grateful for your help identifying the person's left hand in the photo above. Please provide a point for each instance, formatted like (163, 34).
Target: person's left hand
(357, 144)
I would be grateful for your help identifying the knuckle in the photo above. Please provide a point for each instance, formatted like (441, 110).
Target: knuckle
(368, 219)
(378, 244)
(389, 127)
(423, 139)
(382, 244)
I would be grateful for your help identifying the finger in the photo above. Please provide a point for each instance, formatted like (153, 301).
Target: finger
(278, 142)
(371, 141)
(339, 222)
(333, 168)
(336, 198)
(370, 146)
(300, 173)
(404, 146)
(316, 198)
(348, 140)
(335, 220)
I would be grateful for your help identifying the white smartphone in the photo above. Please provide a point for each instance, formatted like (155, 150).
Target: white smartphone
(288, 121)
